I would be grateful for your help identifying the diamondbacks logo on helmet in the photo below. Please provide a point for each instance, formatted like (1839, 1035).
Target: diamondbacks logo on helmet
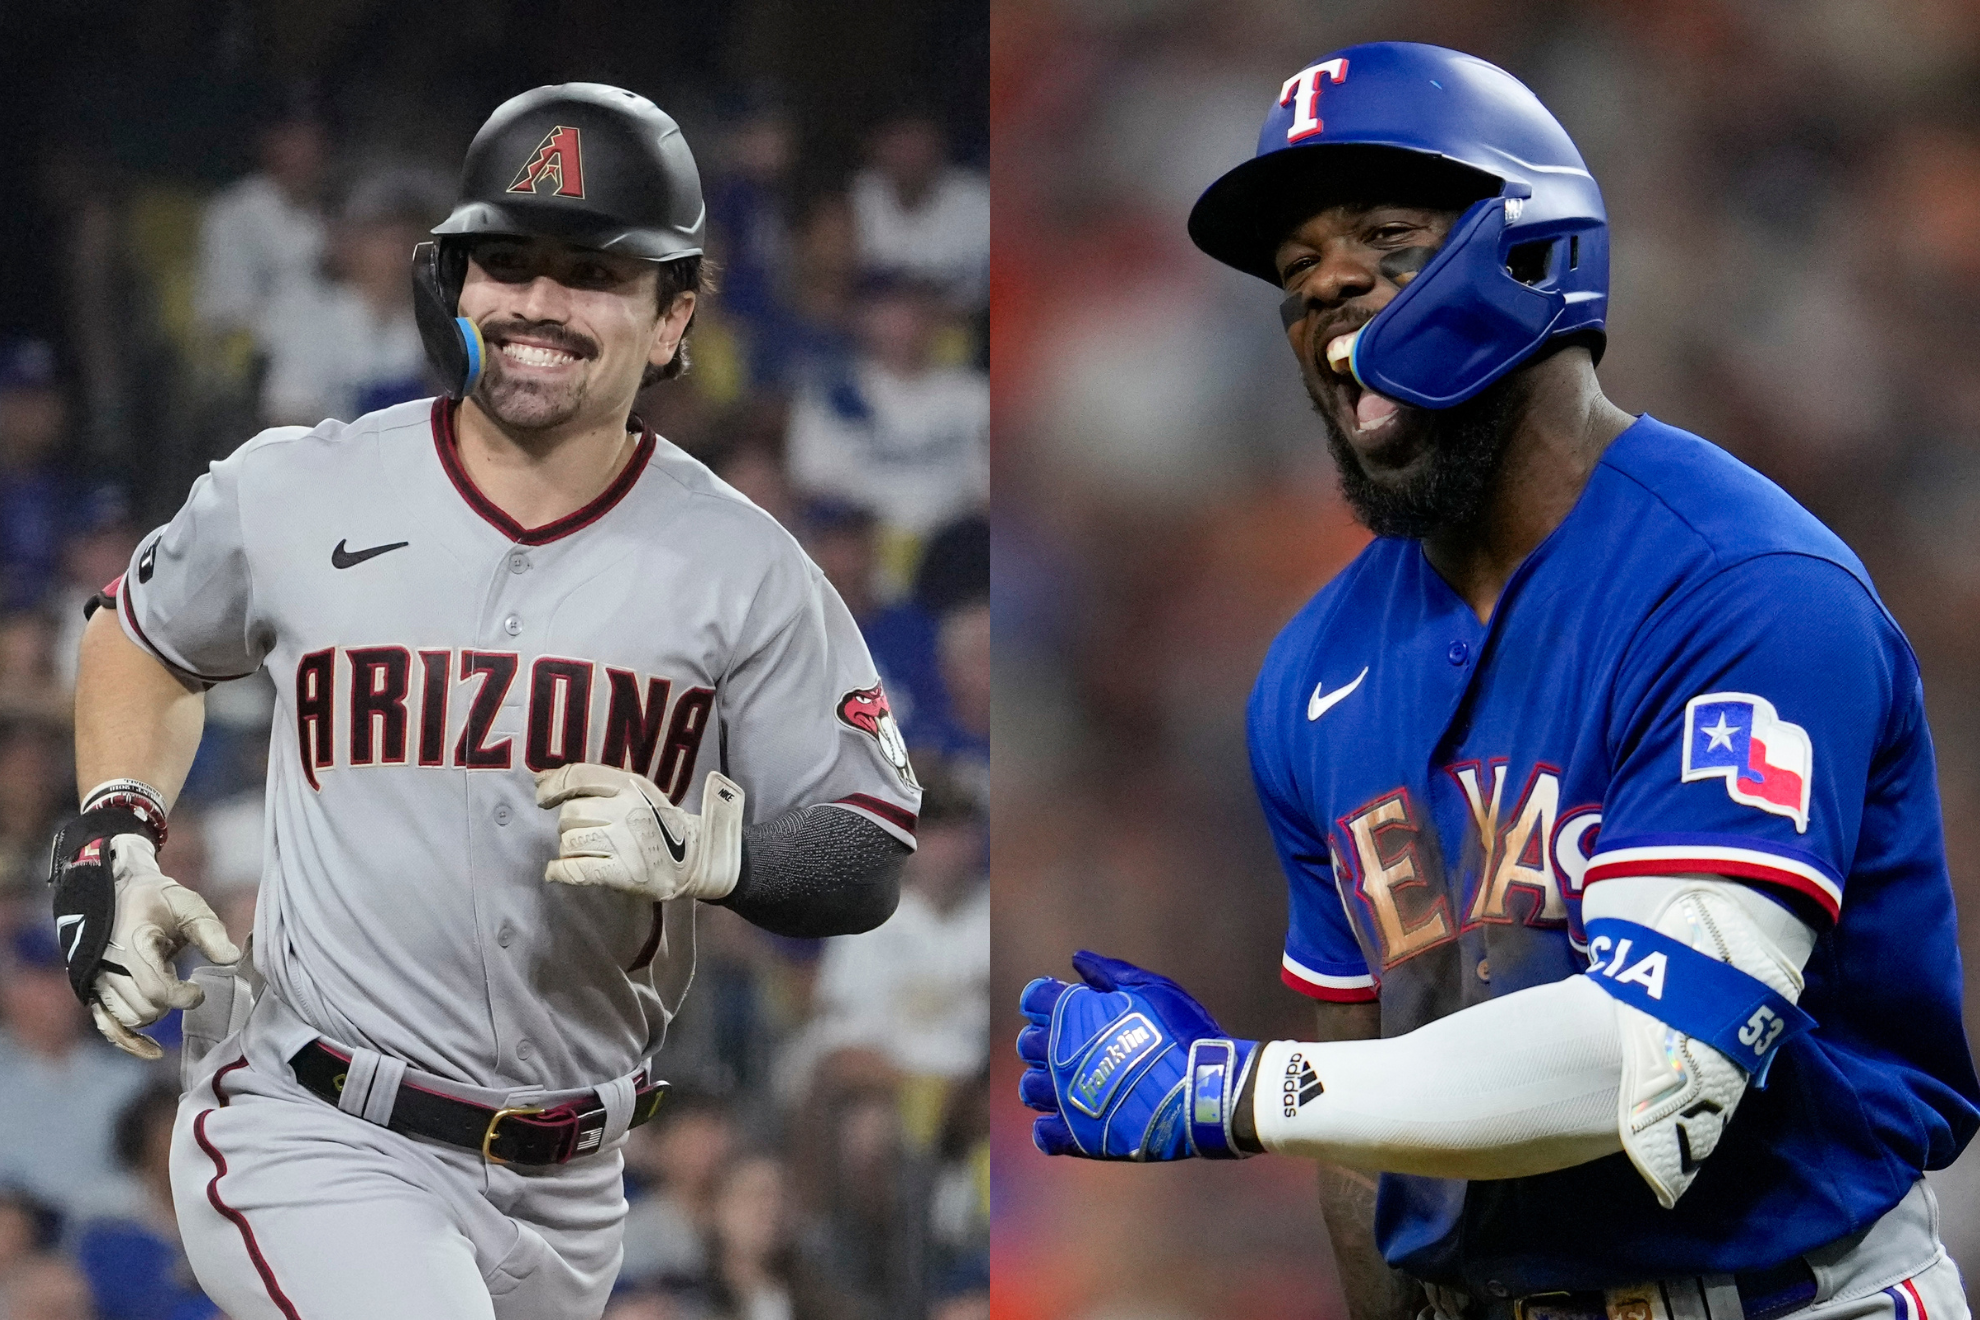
(557, 159)
(866, 709)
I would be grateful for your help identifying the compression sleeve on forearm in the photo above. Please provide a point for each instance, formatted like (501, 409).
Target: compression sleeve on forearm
(816, 871)
(1523, 1084)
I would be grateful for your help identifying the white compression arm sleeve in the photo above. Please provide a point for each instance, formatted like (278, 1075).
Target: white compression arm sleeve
(1519, 1085)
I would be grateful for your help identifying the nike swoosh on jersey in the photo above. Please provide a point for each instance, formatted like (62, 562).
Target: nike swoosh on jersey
(342, 558)
(1317, 705)
(677, 849)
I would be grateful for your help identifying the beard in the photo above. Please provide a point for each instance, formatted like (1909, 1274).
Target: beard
(523, 403)
(1452, 490)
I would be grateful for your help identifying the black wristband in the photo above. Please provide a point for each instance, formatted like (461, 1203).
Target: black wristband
(1244, 1122)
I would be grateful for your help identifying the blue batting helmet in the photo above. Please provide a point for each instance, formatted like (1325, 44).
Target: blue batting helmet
(1527, 260)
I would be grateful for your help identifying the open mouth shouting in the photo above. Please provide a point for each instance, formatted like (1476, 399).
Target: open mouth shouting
(1372, 424)
(1372, 411)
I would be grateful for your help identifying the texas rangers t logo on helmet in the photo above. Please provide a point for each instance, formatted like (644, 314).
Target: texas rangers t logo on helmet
(556, 158)
(866, 709)
(1766, 762)
(1302, 93)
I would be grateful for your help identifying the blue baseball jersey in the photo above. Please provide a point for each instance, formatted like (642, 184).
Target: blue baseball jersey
(1690, 674)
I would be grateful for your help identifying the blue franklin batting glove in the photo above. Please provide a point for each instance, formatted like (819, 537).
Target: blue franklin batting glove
(1128, 1067)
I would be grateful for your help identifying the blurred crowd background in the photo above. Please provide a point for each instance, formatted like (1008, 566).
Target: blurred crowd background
(1794, 193)
(207, 230)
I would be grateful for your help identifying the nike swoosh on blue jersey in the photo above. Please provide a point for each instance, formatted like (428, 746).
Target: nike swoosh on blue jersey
(1317, 705)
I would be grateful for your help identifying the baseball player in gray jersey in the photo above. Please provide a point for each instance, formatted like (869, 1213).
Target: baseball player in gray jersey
(545, 684)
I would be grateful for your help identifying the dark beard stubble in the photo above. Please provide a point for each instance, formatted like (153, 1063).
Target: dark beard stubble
(1454, 490)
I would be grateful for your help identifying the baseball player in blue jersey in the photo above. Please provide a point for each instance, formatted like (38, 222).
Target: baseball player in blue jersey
(1601, 780)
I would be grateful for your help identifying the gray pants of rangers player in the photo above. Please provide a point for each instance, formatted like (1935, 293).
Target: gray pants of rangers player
(292, 1209)
(1895, 1269)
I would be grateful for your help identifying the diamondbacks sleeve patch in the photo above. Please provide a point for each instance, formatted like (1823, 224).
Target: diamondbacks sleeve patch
(866, 709)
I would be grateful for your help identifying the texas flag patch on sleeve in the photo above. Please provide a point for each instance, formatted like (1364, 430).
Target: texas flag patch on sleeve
(1766, 761)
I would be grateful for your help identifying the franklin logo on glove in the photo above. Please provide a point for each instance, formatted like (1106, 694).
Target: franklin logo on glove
(1109, 1059)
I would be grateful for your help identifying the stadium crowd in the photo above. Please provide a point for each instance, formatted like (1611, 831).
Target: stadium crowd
(825, 1151)
(1794, 197)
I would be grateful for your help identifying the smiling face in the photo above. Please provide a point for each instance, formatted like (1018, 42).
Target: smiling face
(1405, 471)
(569, 330)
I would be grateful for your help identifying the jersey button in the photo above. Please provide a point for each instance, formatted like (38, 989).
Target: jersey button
(1459, 653)
(519, 562)
(502, 814)
(1496, 1288)
(1484, 969)
(512, 625)
(506, 934)
(525, 1050)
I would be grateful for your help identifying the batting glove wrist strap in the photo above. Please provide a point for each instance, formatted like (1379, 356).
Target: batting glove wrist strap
(1217, 1073)
(1127, 1066)
(86, 892)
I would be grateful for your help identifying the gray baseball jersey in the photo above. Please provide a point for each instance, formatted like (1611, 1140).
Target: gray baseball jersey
(430, 653)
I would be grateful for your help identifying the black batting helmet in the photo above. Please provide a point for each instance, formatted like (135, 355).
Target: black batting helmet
(597, 166)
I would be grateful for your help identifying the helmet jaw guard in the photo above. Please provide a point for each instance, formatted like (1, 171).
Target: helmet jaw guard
(1523, 266)
(1467, 320)
(453, 343)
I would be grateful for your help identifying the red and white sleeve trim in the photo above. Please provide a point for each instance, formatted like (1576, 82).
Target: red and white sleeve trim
(891, 817)
(1320, 985)
(1739, 863)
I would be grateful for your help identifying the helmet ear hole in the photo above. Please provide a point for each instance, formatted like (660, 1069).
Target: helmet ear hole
(1528, 262)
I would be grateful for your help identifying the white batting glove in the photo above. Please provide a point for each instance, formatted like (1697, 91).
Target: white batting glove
(617, 829)
(156, 917)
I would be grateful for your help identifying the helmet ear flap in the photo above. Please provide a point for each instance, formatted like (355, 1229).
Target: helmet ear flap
(1462, 323)
(453, 342)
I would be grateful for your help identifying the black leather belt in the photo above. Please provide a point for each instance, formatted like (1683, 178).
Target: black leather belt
(1763, 1295)
(518, 1135)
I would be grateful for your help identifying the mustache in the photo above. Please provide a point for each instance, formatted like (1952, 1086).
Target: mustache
(547, 332)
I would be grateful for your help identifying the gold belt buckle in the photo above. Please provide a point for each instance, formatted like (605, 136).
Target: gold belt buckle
(1641, 1301)
(488, 1137)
